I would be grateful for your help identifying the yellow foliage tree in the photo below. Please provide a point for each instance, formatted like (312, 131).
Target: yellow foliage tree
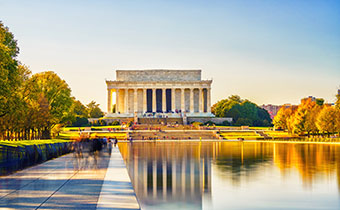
(304, 117)
(327, 120)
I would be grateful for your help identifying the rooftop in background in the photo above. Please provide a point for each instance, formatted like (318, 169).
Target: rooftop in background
(158, 75)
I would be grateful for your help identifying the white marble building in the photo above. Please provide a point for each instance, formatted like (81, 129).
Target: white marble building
(170, 92)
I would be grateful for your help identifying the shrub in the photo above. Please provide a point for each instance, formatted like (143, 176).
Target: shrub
(115, 123)
(80, 122)
(209, 123)
(197, 124)
(226, 123)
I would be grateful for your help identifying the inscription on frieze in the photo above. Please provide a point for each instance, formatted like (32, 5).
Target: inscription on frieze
(158, 75)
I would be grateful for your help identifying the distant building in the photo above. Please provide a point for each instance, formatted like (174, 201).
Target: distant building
(271, 109)
(310, 97)
(274, 109)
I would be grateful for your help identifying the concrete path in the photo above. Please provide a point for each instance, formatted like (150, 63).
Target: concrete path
(117, 191)
(67, 182)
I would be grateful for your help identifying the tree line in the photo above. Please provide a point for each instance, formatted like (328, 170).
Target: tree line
(33, 106)
(242, 111)
(310, 117)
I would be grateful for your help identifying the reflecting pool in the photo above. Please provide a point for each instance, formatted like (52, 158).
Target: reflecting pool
(234, 175)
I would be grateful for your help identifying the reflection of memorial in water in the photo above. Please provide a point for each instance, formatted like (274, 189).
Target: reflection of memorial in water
(169, 172)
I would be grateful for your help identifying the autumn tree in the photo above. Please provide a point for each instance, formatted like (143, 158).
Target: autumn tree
(326, 120)
(281, 119)
(337, 121)
(337, 103)
(299, 120)
(311, 118)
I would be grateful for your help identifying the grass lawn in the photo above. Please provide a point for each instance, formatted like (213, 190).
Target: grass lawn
(278, 134)
(240, 134)
(119, 136)
(239, 127)
(75, 135)
(90, 127)
(23, 143)
(261, 128)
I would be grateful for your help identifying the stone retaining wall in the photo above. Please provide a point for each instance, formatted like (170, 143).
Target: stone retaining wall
(16, 158)
(216, 120)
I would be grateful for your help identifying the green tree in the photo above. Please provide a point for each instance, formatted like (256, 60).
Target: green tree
(79, 109)
(243, 112)
(57, 93)
(94, 111)
(9, 72)
(78, 113)
(320, 101)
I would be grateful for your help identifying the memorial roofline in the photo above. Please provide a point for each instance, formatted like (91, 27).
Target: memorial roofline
(158, 75)
(159, 70)
(170, 81)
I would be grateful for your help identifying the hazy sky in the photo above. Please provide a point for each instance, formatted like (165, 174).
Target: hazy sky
(268, 51)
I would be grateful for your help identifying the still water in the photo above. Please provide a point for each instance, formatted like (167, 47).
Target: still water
(234, 175)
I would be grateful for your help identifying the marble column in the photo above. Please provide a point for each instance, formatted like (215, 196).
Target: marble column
(200, 100)
(144, 100)
(192, 100)
(173, 99)
(117, 101)
(182, 100)
(163, 100)
(126, 100)
(154, 108)
(135, 98)
(109, 100)
(154, 178)
(208, 100)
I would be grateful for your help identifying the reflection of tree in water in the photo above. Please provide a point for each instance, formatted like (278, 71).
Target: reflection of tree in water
(311, 160)
(180, 172)
(238, 158)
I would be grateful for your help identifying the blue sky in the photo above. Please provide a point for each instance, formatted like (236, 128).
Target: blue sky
(268, 51)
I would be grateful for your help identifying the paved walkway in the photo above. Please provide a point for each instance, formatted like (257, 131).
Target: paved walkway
(67, 182)
(117, 191)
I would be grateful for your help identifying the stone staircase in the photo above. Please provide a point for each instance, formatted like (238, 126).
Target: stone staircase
(158, 121)
(172, 135)
(261, 133)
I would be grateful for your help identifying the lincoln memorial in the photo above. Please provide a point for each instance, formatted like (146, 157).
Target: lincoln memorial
(171, 93)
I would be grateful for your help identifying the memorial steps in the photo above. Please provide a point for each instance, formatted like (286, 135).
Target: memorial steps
(173, 135)
(158, 121)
